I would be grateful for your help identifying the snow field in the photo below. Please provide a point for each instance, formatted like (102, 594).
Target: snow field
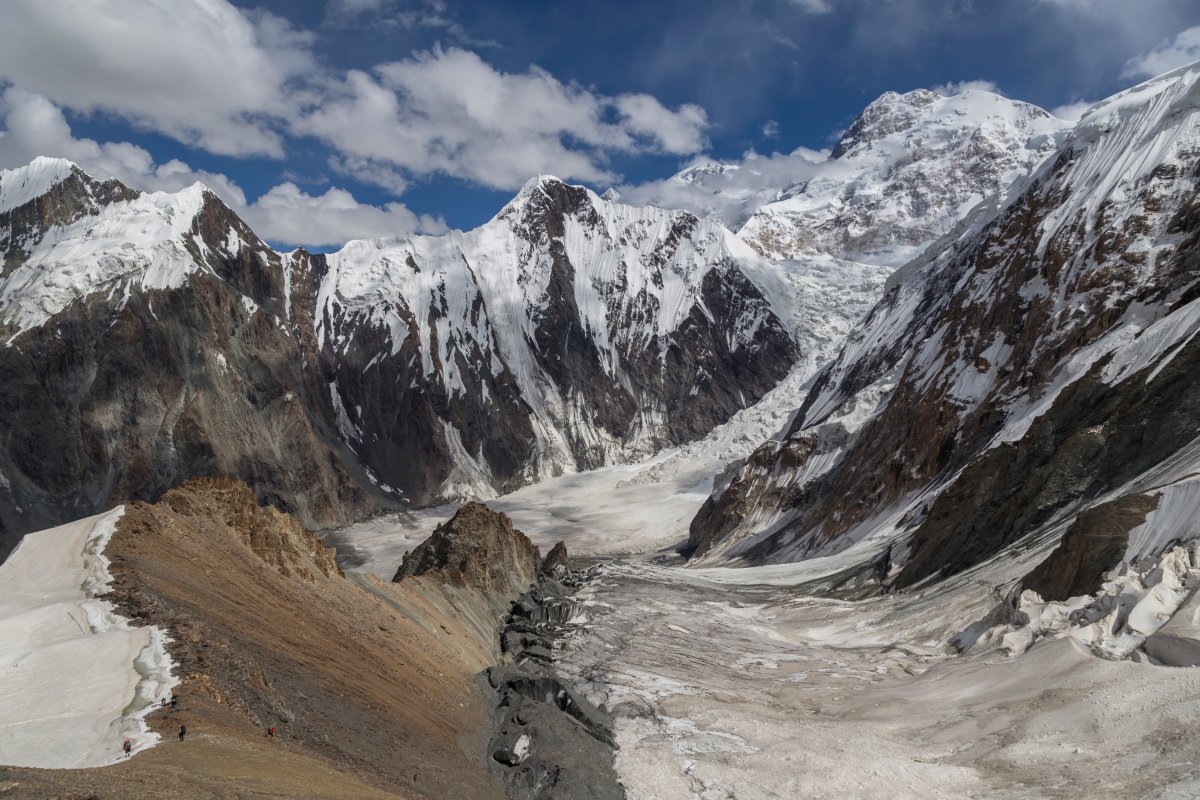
(76, 679)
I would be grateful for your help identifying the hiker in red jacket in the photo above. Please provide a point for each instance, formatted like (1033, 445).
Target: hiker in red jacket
(128, 747)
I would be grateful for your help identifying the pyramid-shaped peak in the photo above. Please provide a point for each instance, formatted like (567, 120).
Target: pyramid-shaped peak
(20, 185)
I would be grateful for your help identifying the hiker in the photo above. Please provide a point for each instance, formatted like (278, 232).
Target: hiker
(271, 731)
(174, 701)
(182, 732)
(128, 747)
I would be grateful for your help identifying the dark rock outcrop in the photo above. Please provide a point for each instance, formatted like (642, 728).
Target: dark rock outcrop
(555, 561)
(477, 548)
(548, 741)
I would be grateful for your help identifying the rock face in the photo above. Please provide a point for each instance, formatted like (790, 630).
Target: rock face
(903, 175)
(1034, 364)
(567, 333)
(476, 548)
(555, 560)
(149, 338)
(145, 339)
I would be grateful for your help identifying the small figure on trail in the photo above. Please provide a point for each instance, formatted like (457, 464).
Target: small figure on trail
(271, 731)
(182, 732)
(128, 747)
(174, 701)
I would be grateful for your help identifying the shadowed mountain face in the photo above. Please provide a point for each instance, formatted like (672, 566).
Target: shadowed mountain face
(148, 338)
(1034, 364)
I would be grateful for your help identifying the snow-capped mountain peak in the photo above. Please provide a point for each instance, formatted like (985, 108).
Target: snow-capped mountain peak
(562, 290)
(903, 174)
(23, 184)
(68, 235)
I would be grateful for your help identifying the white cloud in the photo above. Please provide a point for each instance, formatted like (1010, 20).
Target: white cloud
(449, 111)
(958, 87)
(814, 6)
(287, 214)
(34, 126)
(240, 83)
(1072, 112)
(1183, 49)
(770, 129)
(199, 71)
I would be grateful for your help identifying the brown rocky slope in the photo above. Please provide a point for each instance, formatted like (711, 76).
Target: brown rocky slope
(371, 685)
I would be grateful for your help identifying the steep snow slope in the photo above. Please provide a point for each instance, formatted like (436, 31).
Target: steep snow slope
(147, 241)
(903, 174)
(19, 186)
(75, 679)
(1029, 368)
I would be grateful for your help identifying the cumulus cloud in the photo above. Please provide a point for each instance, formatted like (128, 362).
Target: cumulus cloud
(288, 214)
(201, 71)
(33, 126)
(246, 83)
(1183, 49)
(451, 112)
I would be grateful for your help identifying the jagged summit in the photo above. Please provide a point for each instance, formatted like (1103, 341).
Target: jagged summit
(890, 113)
(67, 235)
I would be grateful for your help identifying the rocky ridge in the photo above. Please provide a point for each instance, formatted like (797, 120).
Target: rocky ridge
(547, 741)
(371, 686)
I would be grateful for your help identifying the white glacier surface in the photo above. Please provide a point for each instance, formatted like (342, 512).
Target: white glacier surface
(76, 680)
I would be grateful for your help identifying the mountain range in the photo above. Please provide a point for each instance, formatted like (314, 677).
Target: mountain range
(1031, 371)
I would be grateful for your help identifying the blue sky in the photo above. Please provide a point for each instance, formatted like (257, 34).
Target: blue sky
(325, 120)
